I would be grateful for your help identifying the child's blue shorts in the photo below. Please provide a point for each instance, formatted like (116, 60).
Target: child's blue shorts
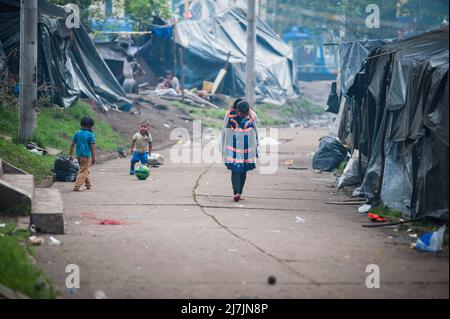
(142, 157)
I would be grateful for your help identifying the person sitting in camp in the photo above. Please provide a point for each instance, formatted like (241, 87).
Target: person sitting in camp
(173, 81)
(163, 88)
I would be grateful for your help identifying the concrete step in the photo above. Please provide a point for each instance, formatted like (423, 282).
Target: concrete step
(47, 212)
(16, 193)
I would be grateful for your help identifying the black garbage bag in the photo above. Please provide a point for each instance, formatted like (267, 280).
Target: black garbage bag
(65, 170)
(330, 154)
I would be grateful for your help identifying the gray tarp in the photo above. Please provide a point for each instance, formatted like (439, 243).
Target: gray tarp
(206, 45)
(401, 99)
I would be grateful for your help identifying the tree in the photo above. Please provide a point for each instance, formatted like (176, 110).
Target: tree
(141, 11)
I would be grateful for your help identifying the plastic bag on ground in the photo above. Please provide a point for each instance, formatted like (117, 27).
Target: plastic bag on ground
(65, 169)
(432, 241)
(351, 175)
(330, 154)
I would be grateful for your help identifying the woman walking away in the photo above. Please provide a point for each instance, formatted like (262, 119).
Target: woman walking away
(239, 144)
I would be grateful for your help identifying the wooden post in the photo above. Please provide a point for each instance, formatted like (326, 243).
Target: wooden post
(28, 69)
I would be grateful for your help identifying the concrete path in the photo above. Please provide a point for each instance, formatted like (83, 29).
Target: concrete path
(185, 237)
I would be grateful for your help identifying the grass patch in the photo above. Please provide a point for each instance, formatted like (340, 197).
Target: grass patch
(340, 169)
(210, 117)
(39, 166)
(54, 128)
(16, 270)
(390, 214)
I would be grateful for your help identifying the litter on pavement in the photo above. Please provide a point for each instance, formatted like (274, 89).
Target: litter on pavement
(364, 208)
(299, 220)
(52, 241)
(376, 218)
(431, 241)
(36, 240)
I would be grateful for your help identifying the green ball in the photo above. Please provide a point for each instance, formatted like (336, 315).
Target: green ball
(142, 172)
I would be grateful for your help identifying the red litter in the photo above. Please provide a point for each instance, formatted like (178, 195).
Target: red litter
(111, 222)
(376, 218)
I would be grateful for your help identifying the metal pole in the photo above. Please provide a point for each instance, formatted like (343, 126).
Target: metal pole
(251, 46)
(180, 57)
(28, 69)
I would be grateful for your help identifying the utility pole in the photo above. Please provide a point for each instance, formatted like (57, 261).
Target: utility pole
(28, 69)
(251, 46)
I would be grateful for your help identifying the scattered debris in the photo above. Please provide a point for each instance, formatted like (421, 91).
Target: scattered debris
(298, 219)
(2, 225)
(431, 241)
(271, 280)
(100, 294)
(376, 218)
(111, 222)
(33, 228)
(298, 168)
(53, 151)
(330, 154)
(156, 159)
(364, 208)
(36, 240)
(35, 151)
(53, 241)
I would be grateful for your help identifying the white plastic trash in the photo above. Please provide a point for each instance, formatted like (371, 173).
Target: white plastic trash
(364, 208)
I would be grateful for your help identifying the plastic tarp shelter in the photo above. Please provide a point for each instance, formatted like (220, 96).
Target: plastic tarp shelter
(399, 106)
(67, 58)
(206, 45)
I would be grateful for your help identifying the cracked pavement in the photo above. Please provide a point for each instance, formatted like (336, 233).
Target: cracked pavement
(184, 237)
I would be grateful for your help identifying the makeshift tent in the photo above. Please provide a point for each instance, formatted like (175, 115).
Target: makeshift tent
(67, 59)
(2, 57)
(115, 55)
(399, 120)
(208, 43)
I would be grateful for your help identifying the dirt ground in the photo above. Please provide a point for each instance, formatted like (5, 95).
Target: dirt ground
(163, 117)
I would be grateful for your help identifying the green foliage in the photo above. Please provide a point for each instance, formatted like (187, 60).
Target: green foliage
(16, 270)
(39, 166)
(55, 127)
(141, 11)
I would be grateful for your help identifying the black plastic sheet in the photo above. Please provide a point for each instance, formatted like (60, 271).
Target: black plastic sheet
(330, 154)
(65, 170)
(206, 45)
(67, 58)
(400, 102)
(2, 58)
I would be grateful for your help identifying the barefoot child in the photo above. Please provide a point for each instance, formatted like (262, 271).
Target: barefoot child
(142, 140)
(240, 144)
(84, 140)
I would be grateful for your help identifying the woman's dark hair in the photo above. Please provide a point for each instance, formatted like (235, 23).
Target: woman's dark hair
(160, 79)
(87, 122)
(243, 107)
(235, 103)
